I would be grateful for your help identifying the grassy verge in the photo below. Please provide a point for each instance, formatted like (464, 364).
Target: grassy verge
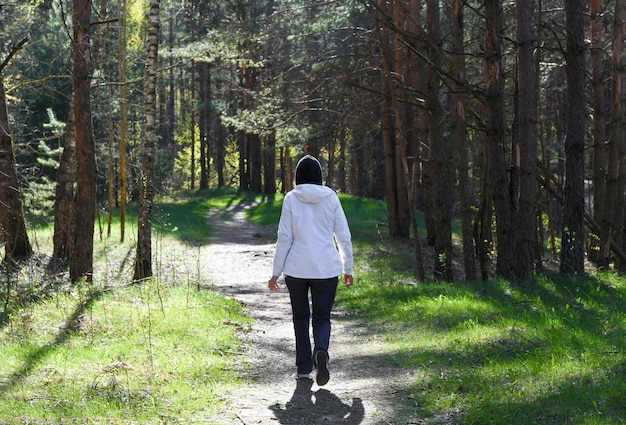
(109, 352)
(141, 353)
(550, 350)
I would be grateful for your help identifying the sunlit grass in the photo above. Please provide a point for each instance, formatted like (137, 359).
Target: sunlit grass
(133, 354)
(548, 350)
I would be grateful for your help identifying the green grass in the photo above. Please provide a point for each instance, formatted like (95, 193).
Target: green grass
(140, 353)
(549, 350)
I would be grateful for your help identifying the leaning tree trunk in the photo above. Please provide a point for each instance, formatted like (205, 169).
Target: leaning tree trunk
(12, 224)
(81, 261)
(572, 249)
(143, 259)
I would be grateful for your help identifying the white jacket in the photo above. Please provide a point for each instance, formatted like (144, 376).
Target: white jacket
(314, 240)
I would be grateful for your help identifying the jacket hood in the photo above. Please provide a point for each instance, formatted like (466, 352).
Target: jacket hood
(312, 193)
(308, 170)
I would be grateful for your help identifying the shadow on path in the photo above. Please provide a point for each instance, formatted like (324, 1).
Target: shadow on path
(319, 407)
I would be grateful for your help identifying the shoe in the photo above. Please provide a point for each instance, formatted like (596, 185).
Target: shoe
(321, 364)
(304, 376)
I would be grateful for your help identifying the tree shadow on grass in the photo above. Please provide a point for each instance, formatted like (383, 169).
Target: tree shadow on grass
(32, 359)
(319, 407)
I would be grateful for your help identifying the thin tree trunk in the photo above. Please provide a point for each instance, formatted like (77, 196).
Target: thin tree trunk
(496, 140)
(143, 259)
(270, 164)
(618, 123)
(81, 261)
(572, 248)
(203, 123)
(123, 194)
(599, 124)
(441, 151)
(458, 134)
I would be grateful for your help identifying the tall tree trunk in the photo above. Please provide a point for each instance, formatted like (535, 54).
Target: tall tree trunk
(63, 237)
(203, 122)
(12, 223)
(441, 151)
(618, 123)
(81, 261)
(526, 220)
(496, 140)
(572, 249)
(599, 124)
(143, 259)
(397, 204)
(123, 171)
(192, 125)
(458, 134)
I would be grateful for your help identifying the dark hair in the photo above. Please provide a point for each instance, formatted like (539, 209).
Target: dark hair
(308, 170)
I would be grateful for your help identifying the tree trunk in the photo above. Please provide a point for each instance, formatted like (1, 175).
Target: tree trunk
(123, 171)
(203, 122)
(572, 248)
(458, 134)
(12, 223)
(599, 124)
(81, 260)
(440, 150)
(270, 164)
(526, 220)
(63, 237)
(496, 140)
(618, 123)
(143, 260)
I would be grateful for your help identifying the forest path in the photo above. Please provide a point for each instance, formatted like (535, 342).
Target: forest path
(362, 389)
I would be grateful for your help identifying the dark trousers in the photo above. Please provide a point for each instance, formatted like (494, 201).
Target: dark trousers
(322, 300)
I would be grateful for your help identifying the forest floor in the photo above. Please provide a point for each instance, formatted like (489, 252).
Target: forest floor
(363, 389)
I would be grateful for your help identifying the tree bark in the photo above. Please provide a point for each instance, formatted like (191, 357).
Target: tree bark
(458, 136)
(12, 223)
(123, 171)
(599, 126)
(572, 248)
(81, 261)
(441, 151)
(64, 206)
(143, 259)
(496, 140)
(526, 220)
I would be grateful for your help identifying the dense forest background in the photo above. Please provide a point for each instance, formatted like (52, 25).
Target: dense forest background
(505, 116)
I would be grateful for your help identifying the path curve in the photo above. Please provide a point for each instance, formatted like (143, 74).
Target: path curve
(363, 389)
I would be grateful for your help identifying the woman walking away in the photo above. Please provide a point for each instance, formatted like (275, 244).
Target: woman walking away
(313, 248)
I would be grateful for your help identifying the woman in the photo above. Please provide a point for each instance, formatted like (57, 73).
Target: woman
(314, 247)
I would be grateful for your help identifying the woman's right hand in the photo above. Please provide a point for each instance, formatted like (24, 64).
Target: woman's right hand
(272, 284)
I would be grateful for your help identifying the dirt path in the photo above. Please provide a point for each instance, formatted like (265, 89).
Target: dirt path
(363, 385)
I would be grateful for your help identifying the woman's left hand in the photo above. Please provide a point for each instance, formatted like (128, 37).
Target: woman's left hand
(348, 279)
